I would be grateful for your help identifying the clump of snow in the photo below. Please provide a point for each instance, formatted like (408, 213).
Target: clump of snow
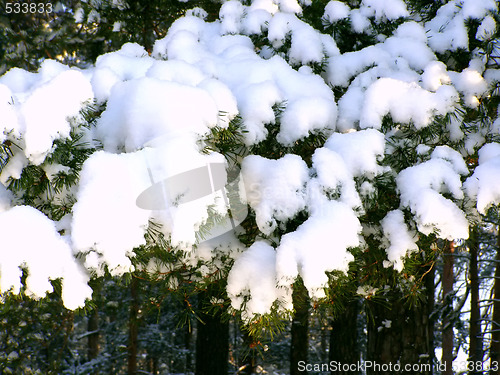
(484, 184)
(43, 114)
(30, 239)
(359, 150)
(336, 11)
(333, 175)
(471, 84)
(401, 241)
(477, 9)
(253, 276)
(398, 98)
(305, 115)
(131, 61)
(318, 245)
(106, 218)
(140, 110)
(19, 80)
(366, 291)
(447, 29)
(289, 6)
(176, 71)
(435, 75)
(385, 9)
(486, 29)
(359, 21)
(421, 186)
(275, 189)
(230, 15)
(197, 12)
(306, 44)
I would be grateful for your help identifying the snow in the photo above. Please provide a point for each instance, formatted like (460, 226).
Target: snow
(298, 120)
(483, 185)
(333, 174)
(486, 29)
(253, 275)
(447, 29)
(5, 198)
(30, 239)
(359, 150)
(385, 9)
(142, 109)
(336, 11)
(45, 112)
(202, 75)
(42, 114)
(275, 189)
(435, 75)
(421, 188)
(310, 250)
(106, 218)
(306, 44)
(471, 84)
(8, 114)
(401, 241)
(398, 98)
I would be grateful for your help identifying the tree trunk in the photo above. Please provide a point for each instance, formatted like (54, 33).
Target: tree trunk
(400, 332)
(133, 329)
(300, 328)
(212, 340)
(475, 342)
(447, 344)
(344, 341)
(93, 334)
(495, 324)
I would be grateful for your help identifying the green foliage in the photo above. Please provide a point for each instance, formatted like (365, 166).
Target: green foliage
(52, 193)
(34, 334)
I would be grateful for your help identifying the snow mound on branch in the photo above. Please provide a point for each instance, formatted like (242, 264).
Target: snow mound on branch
(384, 9)
(336, 11)
(310, 104)
(42, 114)
(471, 84)
(106, 219)
(318, 245)
(421, 189)
(486, 29)
(359, 150)
(484, 185)
(447, 30)
(400, 240)
(253, 277)
(275, 189)
(333, 176)
(30, 239)
(182, 221)
(398, 98)
(129, 62)
(140, 110)
(306, 43)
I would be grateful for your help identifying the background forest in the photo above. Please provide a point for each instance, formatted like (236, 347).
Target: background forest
(417, 289)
